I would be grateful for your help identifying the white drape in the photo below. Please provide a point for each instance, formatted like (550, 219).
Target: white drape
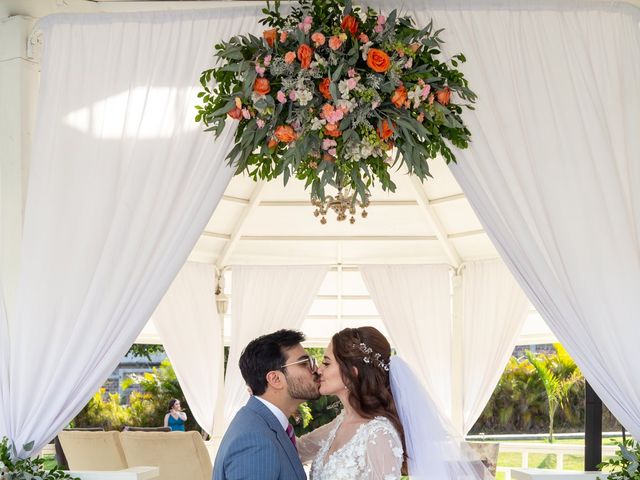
(494, 310)
(189, 326)
(122, 182)
(415, 304)
(553, 172)
(265, 299)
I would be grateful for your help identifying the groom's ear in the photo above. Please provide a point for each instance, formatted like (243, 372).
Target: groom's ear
(274, 379)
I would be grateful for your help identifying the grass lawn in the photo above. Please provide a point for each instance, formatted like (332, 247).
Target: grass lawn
(541, 460)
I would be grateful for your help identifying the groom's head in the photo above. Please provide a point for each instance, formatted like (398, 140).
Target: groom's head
(277, 364)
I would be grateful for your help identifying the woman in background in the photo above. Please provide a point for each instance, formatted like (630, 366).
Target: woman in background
(175, 417)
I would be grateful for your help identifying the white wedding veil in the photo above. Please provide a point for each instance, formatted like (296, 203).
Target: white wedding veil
(434, 450)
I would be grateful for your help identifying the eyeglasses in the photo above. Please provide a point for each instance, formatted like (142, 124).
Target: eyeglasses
(311, 363)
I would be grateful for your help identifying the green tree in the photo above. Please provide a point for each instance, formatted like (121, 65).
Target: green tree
(558, 374)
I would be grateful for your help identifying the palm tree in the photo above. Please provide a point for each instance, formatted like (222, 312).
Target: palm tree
(556, 384)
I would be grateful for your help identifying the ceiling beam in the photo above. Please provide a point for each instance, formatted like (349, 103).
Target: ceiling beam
(236, 234)
(335, 238)
(373, 203)
(434, 220)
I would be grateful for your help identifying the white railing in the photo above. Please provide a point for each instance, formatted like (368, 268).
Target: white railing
(557, 449)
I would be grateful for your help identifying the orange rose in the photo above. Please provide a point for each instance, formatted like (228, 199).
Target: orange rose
(305, 54)
(399, 96)
(349, 24)
(332, 130)
(335, 43)
(261, 86)
(290, 57)
(285, 134)
(384, 130)
(378, 61)
(270, 36)
(443, 96)
(324, 88)
(236, 113)
(273, 143)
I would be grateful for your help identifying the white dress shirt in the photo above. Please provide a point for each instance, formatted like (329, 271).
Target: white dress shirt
(282, 418)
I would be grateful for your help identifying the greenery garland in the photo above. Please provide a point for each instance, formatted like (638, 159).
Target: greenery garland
(329, 90)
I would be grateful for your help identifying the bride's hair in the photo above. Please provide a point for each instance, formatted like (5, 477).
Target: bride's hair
(367, 350)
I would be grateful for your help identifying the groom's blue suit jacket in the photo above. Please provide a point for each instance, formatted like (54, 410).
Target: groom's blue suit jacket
(256, 446)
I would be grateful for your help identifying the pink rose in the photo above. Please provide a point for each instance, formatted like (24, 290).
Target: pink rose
(363, 37)
(305, 25)
(260, 70)
(378, 29)
(290, 57)
(318, 38)
(293, 95)
(351, 73)
(283, 37)
(281, 96)
(246, 114)
(267, 60)
(381, 19)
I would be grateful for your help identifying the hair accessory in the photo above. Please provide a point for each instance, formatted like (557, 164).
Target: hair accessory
(377, 358)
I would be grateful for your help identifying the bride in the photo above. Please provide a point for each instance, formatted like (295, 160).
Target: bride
(389, 426)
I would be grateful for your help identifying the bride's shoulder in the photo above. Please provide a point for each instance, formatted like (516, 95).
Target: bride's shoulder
(382, 425)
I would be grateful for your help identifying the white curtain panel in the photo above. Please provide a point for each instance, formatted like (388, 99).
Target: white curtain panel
(415, 304)
(122, 183)
(494, 310)
(553, 171)
(265, 299)
(188, 323)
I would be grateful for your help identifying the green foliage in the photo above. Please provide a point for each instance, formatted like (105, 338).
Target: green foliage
(519, 403)
(146, 408)
(624, 465)
(145, 350)
(252, 71)
(558, 373)
(13, 468)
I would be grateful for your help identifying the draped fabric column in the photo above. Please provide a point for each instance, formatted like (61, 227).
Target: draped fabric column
(495, 308)
(415, 304)
(553, 171)
(189, 326)
(265, 299)
(122, 183)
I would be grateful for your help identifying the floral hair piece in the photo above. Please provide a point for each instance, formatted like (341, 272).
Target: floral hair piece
(376, 356)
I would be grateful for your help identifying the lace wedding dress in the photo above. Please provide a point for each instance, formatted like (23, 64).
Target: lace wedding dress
(374, 452)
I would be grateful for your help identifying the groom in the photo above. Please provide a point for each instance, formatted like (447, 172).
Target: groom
(260, 443)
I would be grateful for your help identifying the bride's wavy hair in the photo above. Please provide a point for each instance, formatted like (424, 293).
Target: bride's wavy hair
(366, 375)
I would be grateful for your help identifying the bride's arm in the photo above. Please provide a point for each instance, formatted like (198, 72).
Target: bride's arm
(309, 444)
(384, 456)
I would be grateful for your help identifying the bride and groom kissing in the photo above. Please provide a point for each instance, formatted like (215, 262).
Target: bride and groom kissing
(366, 441)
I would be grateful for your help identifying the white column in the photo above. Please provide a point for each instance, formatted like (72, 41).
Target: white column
(18, 91)
(457, 356)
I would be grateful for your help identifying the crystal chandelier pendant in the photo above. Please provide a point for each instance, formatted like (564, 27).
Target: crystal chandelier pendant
(344, 204)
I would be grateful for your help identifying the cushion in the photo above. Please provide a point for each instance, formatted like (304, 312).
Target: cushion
(93, 450)
(180, 455)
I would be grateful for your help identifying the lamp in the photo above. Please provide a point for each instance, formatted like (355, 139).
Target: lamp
(342, 204)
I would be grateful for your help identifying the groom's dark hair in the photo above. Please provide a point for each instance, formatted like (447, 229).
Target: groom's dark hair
(265, 354)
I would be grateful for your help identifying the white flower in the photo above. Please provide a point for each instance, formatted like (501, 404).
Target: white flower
(317, 123)
(304, 97)
(343, 86)
(362, 15)
(365, 49)
(415, 95)
(348, 105)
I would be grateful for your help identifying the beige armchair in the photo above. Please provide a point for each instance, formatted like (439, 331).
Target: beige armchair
(180, 455)
(93, 450)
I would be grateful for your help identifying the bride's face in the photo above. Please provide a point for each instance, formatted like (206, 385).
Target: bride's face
(330, 378)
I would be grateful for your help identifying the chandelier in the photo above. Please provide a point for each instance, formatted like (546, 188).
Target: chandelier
(343, 204)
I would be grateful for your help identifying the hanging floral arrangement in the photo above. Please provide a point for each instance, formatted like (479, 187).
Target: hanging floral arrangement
(335, 94)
